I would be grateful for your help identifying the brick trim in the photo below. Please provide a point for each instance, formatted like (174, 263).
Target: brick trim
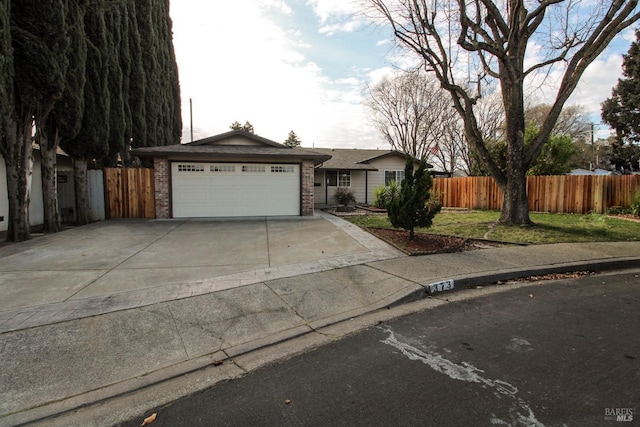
(161, 181)
(307, 188)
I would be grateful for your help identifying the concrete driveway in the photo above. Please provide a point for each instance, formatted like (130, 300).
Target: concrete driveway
(120, 264)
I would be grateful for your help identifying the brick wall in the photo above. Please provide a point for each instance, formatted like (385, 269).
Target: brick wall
(307, 188)
(161, 181)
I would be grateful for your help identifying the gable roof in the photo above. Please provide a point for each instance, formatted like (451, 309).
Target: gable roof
(213, 140)
(229, 146)
(355, 158)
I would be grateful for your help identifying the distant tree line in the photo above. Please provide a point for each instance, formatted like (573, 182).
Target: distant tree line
(94, 77)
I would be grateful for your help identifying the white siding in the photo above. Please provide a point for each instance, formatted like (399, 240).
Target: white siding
(324, 195)
(358, 185)
(362, 182)
(376, 178)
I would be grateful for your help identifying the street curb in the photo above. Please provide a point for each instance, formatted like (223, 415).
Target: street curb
(487, 279)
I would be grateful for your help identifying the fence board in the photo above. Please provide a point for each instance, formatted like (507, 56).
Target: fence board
(562, 194)
(129, 193)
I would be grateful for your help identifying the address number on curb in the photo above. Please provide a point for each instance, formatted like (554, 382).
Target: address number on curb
(445, 285)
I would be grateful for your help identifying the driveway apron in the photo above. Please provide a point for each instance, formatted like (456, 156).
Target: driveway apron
(119, 264)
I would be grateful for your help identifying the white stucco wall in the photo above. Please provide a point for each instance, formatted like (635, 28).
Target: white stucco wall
(36, 206)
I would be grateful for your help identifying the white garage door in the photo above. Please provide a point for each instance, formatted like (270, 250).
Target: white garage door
(234, 189)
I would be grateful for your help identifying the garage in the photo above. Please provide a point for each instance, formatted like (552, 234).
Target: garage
(233, 174)
(234, 189)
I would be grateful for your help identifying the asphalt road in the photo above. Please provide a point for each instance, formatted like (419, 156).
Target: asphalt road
(556, 353)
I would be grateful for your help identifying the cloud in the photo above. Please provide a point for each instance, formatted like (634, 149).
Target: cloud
(597, 82)
(338, 16)
(240, 61)
(347, 26)
(331, 9)
(236, 63)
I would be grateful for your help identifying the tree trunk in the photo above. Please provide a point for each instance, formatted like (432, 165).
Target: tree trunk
(82, 191)
(48, 148)
(515, 204)
(19, 165)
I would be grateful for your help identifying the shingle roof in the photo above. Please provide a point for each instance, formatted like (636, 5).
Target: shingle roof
(210, 148)
(353, 158)
(236, 132)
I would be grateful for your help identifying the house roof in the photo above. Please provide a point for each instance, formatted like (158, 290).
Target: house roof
(233, 145)
(354, 158)
(211, 140)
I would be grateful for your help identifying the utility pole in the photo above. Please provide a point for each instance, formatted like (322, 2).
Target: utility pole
(191, 118)
(593, 153)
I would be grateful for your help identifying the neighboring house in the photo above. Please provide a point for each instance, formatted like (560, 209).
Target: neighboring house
(593, 172)
(66, 199)
(360, 170)
(236, 173)
(66, 192)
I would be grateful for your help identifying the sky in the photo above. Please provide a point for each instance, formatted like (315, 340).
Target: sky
(302, 66)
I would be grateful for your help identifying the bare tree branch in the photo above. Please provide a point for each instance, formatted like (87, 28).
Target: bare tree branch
(495, 35)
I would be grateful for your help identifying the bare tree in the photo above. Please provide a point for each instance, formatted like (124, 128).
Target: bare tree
(448, 153)
(489, 40)
(411, 112)
(490, 118)
(572, 122)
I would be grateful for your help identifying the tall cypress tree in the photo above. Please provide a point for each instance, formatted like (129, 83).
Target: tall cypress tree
(116, 60)
(137, 79)
(173, 107)
(91, 140)
(6, 69)
(63, 123)
(6, 83)
(162, 90)
(152, 94)
(38, 36)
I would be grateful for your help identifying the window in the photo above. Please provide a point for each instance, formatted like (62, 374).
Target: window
(190, 168)
(222, 168)
(338, 178)
(253, 168)
(397, 176)
(282, 169)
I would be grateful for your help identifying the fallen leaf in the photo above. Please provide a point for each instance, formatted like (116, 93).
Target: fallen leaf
(151, 418)
(217, 363)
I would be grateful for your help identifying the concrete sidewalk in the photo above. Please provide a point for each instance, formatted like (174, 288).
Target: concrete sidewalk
(208, 329)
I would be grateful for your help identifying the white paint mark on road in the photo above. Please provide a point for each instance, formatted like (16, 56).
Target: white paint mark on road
(469, 373)
(519, 345)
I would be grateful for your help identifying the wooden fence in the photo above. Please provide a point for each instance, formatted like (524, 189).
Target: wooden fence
(129, 193)
(568, 194)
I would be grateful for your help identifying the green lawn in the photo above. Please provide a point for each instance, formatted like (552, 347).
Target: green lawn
(548, 228)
